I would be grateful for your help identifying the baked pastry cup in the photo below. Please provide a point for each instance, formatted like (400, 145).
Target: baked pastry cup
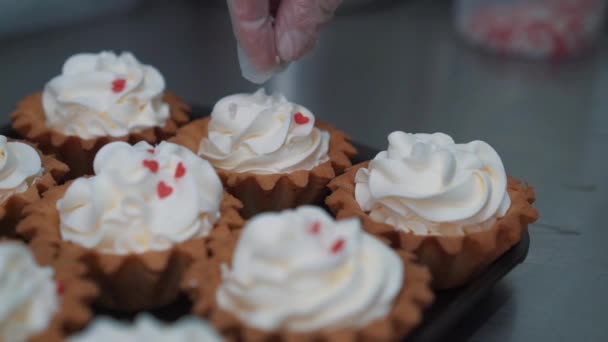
(48, 118)
(269, 179)
(454, 254)
(136, 260)
(315, 307)
(49, 295)
(25, 174)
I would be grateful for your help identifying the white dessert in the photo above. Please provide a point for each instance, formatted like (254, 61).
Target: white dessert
(264, 135)
(428, 185)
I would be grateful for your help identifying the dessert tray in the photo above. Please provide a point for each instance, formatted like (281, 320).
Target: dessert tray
(439, 320)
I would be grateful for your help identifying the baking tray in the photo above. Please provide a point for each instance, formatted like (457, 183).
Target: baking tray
(439, 320)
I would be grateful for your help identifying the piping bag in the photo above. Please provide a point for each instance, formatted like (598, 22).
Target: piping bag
(250, 73)
(256, 76)
(248, 70)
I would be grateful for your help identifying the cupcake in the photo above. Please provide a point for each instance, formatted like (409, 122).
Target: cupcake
(97, 99)
(138, 222)
(146, 328)
(451, 204)
(40, 300)
(270, 153)
(25, 174)
(301, 275)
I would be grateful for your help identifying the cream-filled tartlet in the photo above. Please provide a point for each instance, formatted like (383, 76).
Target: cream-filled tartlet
(25, 173)
(105, 94)
(452, 204)
(39, 301)
(28, 292)
(428, 185)
(20, 167)
(146, 328)
(300, 273)
(271, 153)
(141, 199)
(99, 98)
(138, 221)
(263, 134)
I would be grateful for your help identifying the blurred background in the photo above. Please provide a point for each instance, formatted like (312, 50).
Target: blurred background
(531, 81)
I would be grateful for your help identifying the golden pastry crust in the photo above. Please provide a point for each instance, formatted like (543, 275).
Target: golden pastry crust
(30, 122)
(133, 281)
(453, 260)
(260, 193)
(75, 292)
(204, 277)
(11, 209)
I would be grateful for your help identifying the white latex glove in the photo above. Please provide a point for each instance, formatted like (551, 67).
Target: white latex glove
(272, 33)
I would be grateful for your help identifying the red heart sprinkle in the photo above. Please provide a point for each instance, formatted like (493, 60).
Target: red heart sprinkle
(163, 190)
(337, 246)
(60, 288)
(316, 228)
(151, 150)
(118, 85)
(152, 165)
(300, 118)
(180, 170)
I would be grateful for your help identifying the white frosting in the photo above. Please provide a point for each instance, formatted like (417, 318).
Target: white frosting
(146, 328)
(139, 200)
(105, 95)
(302, 271)
(28, 296)
(20, 167)
(264, 135)
(427, 184)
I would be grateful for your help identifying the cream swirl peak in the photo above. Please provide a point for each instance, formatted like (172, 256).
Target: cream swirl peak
(302, 271)
(28, 292)
(146, 328)
(427, 184)
(141, 198)
(264, 135)
(105, 95)
(20, 166)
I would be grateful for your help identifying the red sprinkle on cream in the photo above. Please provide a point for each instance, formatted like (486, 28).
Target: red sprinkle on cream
(151, 165)
(180, 170)
(118, 85)
(315, 228)
(338, 246)
(300, 119)
(163, 190)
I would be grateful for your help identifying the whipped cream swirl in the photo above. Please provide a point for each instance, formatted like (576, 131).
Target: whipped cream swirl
(27, 291)
(264, 135)
(146, 328)
(302, 271)
(427, 184)
(141, 198)
(105, 95)
(20, 167)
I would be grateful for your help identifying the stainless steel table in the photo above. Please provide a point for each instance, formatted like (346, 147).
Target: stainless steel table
(400, 66)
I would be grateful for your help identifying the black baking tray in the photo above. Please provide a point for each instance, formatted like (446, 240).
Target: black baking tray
(440, 319)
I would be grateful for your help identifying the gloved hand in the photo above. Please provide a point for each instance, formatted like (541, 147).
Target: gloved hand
(271, 33)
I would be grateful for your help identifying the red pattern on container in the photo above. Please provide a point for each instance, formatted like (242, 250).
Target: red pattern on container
(540, 29)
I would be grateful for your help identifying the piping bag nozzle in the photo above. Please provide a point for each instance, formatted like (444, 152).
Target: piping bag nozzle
(254, 75)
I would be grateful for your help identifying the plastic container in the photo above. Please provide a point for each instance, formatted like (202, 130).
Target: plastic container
(538, 29)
